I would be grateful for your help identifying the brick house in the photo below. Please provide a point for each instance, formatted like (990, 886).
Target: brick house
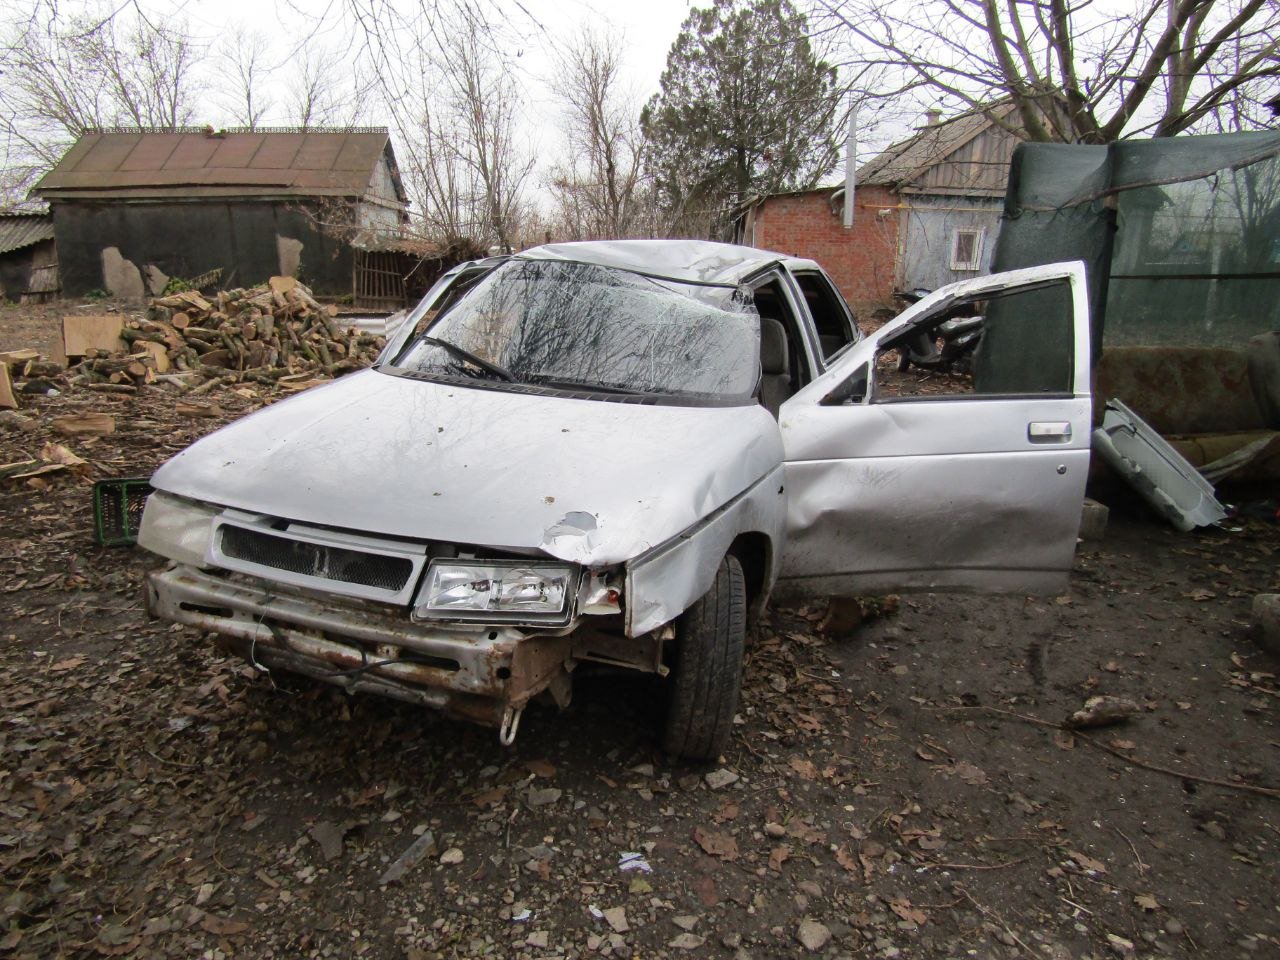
(926, 212)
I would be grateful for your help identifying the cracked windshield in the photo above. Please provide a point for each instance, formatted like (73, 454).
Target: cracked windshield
(580, 326)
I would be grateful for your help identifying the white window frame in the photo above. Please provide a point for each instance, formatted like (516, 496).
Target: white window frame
(979, 237)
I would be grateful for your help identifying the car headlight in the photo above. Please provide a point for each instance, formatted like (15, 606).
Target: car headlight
(176, 529)
(509, 588)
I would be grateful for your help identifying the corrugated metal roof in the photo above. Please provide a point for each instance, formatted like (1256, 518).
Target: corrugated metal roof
(202, 163)
(903, 161)
(22, 230)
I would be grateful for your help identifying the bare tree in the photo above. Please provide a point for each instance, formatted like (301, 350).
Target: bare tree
(246, 56)
(448, 88)
(599, 188)
(323, 89)
(61, 77)
(446, 77)
(1077, 72)
(483, 101)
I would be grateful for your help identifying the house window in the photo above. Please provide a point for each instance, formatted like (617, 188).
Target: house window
(966, 249)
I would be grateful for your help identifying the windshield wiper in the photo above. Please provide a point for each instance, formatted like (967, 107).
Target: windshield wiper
(468, 357)
(592, 386)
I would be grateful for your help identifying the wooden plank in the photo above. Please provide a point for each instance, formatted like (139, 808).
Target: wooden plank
(7, 400)
(92, 332)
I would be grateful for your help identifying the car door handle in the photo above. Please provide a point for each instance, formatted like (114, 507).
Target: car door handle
(1049, 431)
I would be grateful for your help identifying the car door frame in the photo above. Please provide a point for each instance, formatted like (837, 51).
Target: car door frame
(936, 493)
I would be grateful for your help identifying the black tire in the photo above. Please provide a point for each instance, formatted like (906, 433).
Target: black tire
(706, 681)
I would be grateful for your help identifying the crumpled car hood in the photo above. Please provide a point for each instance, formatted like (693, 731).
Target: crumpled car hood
(587, 481)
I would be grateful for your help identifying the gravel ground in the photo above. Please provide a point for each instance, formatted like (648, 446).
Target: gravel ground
(901, 788)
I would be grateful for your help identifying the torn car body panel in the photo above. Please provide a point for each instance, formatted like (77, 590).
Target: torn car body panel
(664, 582)
(1155, 469)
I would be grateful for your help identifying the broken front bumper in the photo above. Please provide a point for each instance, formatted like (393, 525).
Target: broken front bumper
(483, 673)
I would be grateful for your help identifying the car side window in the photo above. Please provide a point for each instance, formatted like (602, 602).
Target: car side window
(831, 317)
(783, 366)
(1015, 343)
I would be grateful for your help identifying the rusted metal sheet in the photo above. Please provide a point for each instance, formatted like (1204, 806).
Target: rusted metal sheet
(1181, 389)
(236, 609)
(202, 164)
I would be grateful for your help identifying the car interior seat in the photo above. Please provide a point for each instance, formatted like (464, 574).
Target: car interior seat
(775, 365)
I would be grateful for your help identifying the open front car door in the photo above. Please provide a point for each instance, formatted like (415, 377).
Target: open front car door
(921, 460)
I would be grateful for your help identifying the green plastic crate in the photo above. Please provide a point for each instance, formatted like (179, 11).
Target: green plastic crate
(117, 510)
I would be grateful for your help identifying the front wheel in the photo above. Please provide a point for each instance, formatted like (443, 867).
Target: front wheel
(710, 638)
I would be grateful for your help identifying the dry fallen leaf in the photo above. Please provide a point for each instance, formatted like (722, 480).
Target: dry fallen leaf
(222, 926)
(729, 810)
(716, 844)
(1147, 902)
(805, 768)
(847, 860)
(903, 908)
(1086, 862)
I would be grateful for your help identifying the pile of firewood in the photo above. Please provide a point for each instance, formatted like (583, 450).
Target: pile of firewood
(266, 334)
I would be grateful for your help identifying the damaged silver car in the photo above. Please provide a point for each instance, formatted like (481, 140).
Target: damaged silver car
(615, 453)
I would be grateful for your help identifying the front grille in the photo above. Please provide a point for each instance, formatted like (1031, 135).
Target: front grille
(317, 560)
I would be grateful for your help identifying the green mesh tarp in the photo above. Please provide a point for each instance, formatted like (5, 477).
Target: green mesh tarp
(1180, 237)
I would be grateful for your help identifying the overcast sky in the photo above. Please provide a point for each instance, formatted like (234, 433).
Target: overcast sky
(648, 26)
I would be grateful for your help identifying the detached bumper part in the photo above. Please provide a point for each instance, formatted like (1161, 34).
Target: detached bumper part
(481, 673)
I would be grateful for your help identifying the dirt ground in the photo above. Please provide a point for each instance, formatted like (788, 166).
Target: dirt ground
(899, 789)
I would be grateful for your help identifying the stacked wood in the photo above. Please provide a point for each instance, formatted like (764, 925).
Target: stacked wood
(265, 333)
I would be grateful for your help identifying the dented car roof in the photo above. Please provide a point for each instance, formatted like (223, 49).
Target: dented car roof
(689, 261)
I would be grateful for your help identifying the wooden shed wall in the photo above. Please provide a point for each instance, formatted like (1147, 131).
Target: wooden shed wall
(248, 239)
(978, 168)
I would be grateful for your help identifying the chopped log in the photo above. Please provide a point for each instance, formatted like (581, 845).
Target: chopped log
(17, 358)
(84, 425)
(42, 368)
(186, 409)
(265, 332)
(211, 385)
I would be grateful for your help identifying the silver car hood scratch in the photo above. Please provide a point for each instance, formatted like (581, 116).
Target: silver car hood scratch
(586, 481)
